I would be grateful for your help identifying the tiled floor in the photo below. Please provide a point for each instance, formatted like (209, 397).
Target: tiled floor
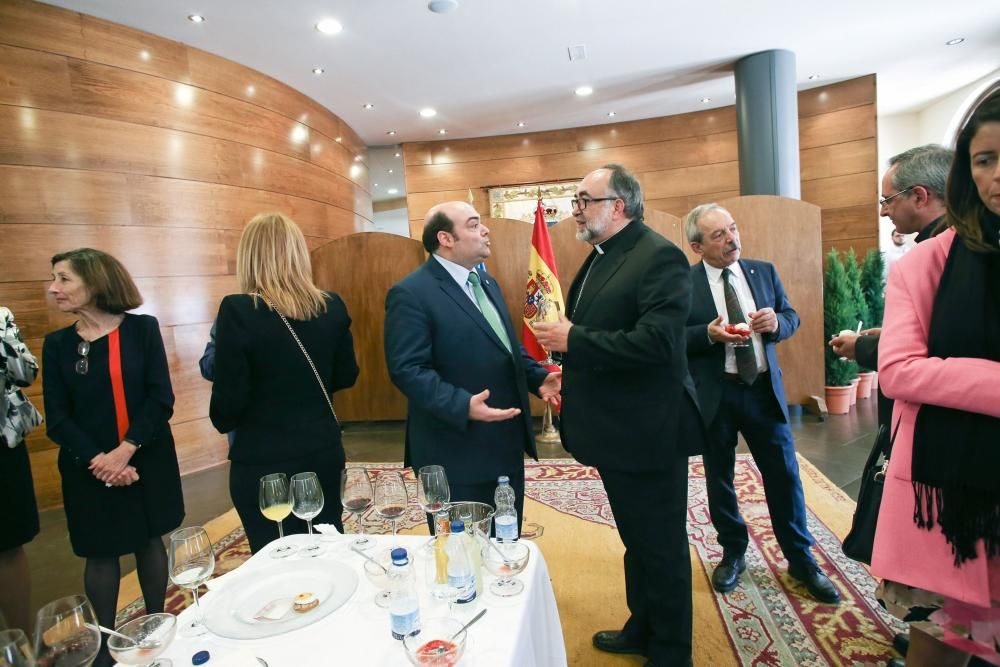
(838, 447)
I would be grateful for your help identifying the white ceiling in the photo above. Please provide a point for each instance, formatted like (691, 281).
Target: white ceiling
(492, 63)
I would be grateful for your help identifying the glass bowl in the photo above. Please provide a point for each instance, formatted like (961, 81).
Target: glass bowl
(505, 562)
(378, 576)
(434, 646)
(153, 634)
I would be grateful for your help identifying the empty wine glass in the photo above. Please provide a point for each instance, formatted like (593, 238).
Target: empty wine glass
(15, 649)
(143, 640)
(356, 497)
(432, 489)
(307, 503)
(66, 633)
(390, 497)
(191, 563)
(276, 505)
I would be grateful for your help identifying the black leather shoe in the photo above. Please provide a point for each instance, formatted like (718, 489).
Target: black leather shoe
(817, 583)
(650, 663)
(615, 641)
(727, 573)
(901, 642)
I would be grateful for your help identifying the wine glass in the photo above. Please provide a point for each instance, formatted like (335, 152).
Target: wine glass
(191, 564)
(144, 640)
(307, 503)
(505, 560)
(15, 649)
(390, 497)
(432, 489)
(378, 574)
(356, 497)
(66, 633)
(276, 505)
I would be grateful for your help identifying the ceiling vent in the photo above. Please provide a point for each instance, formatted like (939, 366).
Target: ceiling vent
(578, 52)
(442, 6)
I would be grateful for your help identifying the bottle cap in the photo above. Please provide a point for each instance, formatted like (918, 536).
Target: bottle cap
(398, 556)
(503, 479)
(458, 526)
(200, 658)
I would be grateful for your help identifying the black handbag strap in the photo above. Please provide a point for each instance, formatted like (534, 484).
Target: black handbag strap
(882, 448)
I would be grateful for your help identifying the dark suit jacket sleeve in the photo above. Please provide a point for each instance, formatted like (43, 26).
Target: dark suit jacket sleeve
(697, 338)
(207, 362)
(866, 351)
(345, 363)
(663, 300)
(60, 425)
(534, 372)
(788, 319)
(231, 389)
(409, 356)
(158, 396)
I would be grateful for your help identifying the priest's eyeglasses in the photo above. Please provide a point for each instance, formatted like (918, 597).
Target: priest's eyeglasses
(580, 203)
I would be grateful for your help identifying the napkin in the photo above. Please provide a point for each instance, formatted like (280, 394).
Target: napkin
(327, 528)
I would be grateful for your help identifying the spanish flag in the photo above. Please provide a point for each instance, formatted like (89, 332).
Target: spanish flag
(543, 299)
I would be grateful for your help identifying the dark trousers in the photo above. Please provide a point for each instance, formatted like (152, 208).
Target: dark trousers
(244, 488)
(650, 509)
(753, 411)
(484, 492)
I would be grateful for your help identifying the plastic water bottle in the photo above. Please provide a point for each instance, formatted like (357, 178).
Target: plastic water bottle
(461, 576)
(404, 606)
(506, 514)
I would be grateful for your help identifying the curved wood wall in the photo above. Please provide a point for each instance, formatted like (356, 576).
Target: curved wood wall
(157, 153)
(681, 161)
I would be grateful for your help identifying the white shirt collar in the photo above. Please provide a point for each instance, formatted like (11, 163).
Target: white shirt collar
(457, 271)
(715, 274)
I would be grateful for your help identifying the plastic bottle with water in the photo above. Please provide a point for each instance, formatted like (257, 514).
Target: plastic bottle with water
(404, 605)
(506, 514)
(461, 575)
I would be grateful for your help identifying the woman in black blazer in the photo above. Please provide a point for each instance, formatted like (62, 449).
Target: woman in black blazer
(264, 387)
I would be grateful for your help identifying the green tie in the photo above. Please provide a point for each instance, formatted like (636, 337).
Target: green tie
(487, 309)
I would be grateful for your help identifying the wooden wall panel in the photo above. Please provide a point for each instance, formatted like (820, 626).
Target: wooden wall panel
(157, 153)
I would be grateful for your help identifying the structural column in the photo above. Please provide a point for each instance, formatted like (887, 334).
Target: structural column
(767, 124)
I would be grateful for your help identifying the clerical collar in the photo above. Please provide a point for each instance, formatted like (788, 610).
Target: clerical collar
(602, 247)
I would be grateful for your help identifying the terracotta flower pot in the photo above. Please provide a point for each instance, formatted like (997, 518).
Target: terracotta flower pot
(865, 383)
(854, 392)
(838, 399)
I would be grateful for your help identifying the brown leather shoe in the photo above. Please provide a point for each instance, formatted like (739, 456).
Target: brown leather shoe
(615, 641)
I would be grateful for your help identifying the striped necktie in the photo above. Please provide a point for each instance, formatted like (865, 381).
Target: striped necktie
(487, 309)
(746, 360)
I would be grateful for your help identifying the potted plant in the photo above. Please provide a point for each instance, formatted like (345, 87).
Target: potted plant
(839, 311)
(873, 290)
(863, 381)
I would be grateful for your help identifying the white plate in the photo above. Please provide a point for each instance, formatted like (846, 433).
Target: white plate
(231, 612)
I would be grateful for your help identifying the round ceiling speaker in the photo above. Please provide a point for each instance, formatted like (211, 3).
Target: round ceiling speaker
(442, 6)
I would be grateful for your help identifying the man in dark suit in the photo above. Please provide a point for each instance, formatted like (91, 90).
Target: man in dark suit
(450, 347)
(629, 405)
(740, 390)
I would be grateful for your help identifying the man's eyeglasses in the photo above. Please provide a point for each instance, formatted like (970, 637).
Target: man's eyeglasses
(885, 200)
(581, 203)
(82, 365)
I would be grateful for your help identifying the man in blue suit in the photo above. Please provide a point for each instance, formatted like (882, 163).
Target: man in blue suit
(451, 349)
(740, 391)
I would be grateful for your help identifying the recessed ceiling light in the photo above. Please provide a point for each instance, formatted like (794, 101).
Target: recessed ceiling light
(391, 133)
(954, 42)
(144, 54)
(397, 155)
(442, 131)
(318, 70)
(389, 171)
(339, 139)
(196, 18)
(428, 112)
(813, 77)
(392, 191)
(583, 91)
(706, 100)
(442, 6)
(519, 123)
(251, 90)
(357, 158)
(369, 106)
(329, 26)
(611, 114)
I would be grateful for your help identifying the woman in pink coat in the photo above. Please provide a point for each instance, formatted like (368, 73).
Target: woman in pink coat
(937, 546)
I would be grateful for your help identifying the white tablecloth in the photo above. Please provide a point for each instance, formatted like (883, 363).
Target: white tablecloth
(519, 631)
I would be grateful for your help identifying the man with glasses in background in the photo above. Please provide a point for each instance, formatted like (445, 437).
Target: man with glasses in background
(629, 405)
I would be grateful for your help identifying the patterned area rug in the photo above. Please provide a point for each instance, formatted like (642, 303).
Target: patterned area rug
(769, 619)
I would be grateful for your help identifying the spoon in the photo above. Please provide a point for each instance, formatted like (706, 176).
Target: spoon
(369, 558)
(464, 627)
(145, 643)
(506, 561)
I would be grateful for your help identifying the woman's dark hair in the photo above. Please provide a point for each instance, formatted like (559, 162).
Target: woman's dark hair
(966, 210)
(107, 280)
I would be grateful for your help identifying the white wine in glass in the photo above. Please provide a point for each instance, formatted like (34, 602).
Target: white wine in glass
(356, 497)
(307, 503)
(276, 505)
(66, 633)
(191, 563)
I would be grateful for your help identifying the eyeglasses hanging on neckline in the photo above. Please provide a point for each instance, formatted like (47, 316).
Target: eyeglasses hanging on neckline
(82, 365)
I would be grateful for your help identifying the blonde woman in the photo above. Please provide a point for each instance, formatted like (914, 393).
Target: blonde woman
(265, 387)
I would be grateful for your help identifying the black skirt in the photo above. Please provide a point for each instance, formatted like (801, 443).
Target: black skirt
(19, 520)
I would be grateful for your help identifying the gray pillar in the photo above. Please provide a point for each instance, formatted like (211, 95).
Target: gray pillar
(767, 124)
